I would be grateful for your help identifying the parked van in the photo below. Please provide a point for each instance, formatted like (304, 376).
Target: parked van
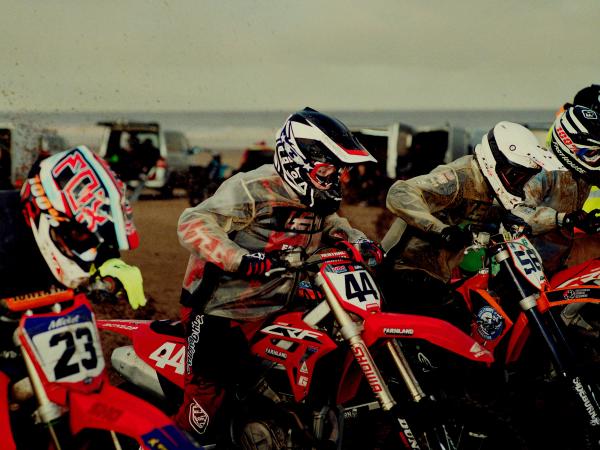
(403, 151)
(139, 151)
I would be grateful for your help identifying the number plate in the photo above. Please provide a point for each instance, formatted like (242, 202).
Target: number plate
(527, 261)
(66, 346)
(355, 287)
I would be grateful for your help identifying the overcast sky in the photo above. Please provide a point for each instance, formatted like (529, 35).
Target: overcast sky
(277, 54)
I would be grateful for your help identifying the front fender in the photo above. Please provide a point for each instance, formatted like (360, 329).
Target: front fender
(114, 409)
(435, 331)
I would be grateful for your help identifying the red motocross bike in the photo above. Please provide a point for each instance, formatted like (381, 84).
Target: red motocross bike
(63, 399)
(513, 307)
(338, 363)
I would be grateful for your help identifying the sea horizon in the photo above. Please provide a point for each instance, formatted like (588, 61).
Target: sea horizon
(238, 129)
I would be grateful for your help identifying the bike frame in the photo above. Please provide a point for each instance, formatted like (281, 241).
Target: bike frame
(294, 341)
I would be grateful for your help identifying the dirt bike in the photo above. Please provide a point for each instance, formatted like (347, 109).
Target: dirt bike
(512, 303)
(61, 398)
(338, 363)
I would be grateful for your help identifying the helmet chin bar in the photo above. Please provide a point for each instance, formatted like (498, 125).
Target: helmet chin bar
(65, 270)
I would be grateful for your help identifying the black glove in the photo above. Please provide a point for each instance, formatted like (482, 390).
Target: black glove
(371, 251)
(588, 222)
(511, 220)
(254, 265)
(455, 238)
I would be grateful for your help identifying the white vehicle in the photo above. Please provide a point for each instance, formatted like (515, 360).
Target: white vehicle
(407, 151)
(142, 154)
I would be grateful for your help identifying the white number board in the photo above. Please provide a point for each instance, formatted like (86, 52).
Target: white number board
(66, 347)
(527, 261)
(355, 287)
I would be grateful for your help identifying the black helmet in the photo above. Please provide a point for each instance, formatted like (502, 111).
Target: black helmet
(575, 140)
(589, 97)
(312, 149)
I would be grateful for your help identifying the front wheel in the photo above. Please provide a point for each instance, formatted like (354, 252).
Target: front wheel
(464, 425)
(445, 425)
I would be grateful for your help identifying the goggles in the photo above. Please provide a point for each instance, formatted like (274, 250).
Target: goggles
(589, 155)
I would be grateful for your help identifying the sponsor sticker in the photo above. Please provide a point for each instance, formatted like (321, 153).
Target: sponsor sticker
(489, 323)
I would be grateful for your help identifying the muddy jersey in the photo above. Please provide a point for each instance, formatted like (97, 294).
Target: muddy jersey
(450, 194)
(250, 212)
(547, 195)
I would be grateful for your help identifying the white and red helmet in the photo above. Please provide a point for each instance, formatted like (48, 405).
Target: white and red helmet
(311, 151)
(78, 213)
(509, 156)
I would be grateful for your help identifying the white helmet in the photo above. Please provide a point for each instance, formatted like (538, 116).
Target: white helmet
(509, 156)
(78, 214)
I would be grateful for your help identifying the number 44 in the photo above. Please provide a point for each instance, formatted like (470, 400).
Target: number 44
(168, 355)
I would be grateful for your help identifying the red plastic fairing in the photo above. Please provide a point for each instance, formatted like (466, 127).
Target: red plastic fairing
(164, 353)
(114, 409)
(296, 346)
(436, 331)
(5, 431)
(127, 328)
(584, 273)
(478, 281)
(518, 337)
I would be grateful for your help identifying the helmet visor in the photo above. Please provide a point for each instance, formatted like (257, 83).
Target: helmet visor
(515, 177)
(325, 175)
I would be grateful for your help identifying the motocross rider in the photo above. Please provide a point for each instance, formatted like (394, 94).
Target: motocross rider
(426, 242)
(588, 97)
(554, 199)
(233, 238)
(71, 221)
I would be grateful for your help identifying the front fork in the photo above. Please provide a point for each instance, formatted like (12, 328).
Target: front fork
(350, 331)
(562, 355)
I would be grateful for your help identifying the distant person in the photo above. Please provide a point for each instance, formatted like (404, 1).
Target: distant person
(148, 154)
(255, 156)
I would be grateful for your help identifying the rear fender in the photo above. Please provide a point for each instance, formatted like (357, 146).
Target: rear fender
(435, 331)
(587, 273)
(114, 409)
(163, 352)
(125, 327)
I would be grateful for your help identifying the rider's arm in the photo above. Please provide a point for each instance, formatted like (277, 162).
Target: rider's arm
(340, 227)
(416, 200)
(203, 229)
(541, 218)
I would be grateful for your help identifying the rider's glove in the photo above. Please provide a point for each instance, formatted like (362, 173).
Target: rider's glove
(511, 220)
(254, 265)
(371, 251)
(455, 238)
(588, 222)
